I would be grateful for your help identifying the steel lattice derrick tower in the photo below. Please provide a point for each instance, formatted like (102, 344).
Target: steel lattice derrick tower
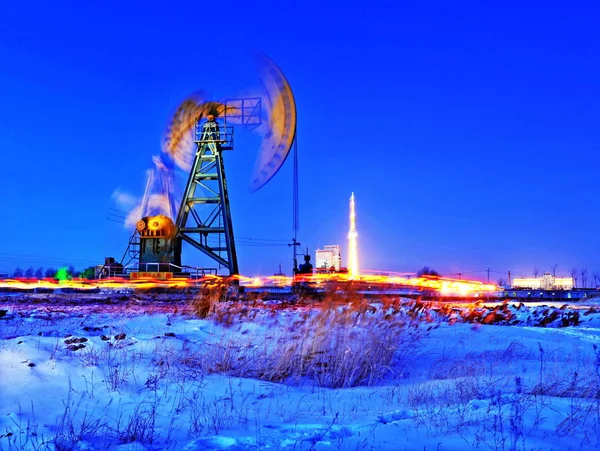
(204, 218)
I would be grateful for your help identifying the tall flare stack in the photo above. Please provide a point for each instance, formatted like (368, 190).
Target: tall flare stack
(352, 246)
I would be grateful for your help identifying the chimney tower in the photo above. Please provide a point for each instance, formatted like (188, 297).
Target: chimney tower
(352, 245)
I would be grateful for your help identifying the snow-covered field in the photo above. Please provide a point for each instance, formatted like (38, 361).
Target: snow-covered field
(336, 375)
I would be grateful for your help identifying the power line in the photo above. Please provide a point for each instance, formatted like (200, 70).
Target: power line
(39, 257)
(259, 239)
(261, 245)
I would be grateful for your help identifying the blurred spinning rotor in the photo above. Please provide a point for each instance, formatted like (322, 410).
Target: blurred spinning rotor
(278, 124)
(179, 143)
(280, 109)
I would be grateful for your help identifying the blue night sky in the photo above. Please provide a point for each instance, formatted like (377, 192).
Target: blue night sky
(470, 134)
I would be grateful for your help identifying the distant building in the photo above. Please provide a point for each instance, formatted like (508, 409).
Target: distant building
(110, 268)
(329, 258)
(546, 282)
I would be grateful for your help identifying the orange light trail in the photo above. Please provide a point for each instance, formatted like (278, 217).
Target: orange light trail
(443, 286)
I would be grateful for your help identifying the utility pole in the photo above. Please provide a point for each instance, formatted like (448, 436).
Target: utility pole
(295, 244)
(509, 284)
(488, 271)
(295, 213)
(459, 274)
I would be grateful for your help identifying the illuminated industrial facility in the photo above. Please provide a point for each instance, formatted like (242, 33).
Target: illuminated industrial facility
(352, 245)
(328, 259)
(546, 282)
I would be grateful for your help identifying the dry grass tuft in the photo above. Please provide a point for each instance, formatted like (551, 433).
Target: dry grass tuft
(210, 295)
(343, 341)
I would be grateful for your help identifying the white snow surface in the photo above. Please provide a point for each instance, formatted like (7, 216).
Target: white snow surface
(449, 385)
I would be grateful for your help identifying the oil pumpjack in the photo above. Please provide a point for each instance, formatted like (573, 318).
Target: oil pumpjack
(203, 219)
(204, 216)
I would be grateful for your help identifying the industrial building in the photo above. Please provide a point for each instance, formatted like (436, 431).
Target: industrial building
(110, 268)
(328, 259)
(545, 282)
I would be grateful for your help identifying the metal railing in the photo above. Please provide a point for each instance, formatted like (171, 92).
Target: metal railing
(222, 136)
